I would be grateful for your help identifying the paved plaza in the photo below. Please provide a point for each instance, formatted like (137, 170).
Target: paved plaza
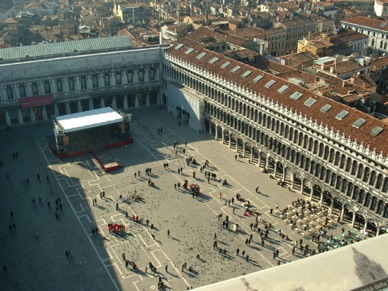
(33, 243)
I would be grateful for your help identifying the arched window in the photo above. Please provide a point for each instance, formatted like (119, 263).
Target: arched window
(9, 92)
(367, 200)
(380, 207)
(47, 87)
(22, 90)
(385, 214)
(366, 174)
(373, 204)
(34, 88)
(360, 170)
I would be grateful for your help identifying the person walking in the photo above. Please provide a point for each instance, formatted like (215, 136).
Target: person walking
(168, 233)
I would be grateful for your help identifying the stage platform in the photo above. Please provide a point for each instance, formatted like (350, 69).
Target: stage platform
(91, 132)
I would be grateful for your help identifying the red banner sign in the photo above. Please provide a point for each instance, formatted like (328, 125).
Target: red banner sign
(36, 101)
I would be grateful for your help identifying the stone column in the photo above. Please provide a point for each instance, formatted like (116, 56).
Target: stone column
(137, 101)
(125, 102)
(41, 89)
(311, 193)
(365, 226)
(91, 104)
(16, 90)
(114, 104)
(53, 87)
(68, 109)
(89, 82)
(77, 84)
(136, 77)
(124, 77)
(44, 113)
(112, 80)
(32, 114)
(342, 212)
(28, 89)
(101, 82)
(331, 205)
(7, 119)
(216, 134)
(65, 85)
(321, 200)
(148, 99)
(243, 148)
(230, 141)
(79, 106)
(56, 111)
(146, 75)
(20, 117)
(353, 218)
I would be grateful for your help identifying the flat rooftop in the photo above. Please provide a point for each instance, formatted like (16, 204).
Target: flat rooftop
(65, 48)
(88, 119)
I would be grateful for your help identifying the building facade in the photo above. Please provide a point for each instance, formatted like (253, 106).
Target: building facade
(308, 141)
(375, 29)
(77, 76)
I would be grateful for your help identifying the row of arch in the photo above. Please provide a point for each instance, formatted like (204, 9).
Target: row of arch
(321, 152)
(79, 82)
(292, 156)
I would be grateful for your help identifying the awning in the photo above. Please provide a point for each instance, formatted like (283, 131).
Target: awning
(36, 101)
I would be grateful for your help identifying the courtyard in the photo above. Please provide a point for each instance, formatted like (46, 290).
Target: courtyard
(34, 241)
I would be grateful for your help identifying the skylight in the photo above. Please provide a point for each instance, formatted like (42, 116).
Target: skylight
(283, 88)
(179, 46)
(342, 114)
(246, 74)
(189, 51)
(376, 130)
(270, 83)
(326, 108)
(201, 55)
(235, 69)
(296, 95)
(213, 60)
(309, 102)
(258, 78)
(224, 65)
(359, 122)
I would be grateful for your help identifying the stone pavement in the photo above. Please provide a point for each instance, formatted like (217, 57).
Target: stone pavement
(34, 252)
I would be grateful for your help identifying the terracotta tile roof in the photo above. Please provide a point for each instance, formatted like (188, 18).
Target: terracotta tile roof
(379, 64)
(368, 22)
(295, 60)
(247, 32)
(313, 112)
(344, 67)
